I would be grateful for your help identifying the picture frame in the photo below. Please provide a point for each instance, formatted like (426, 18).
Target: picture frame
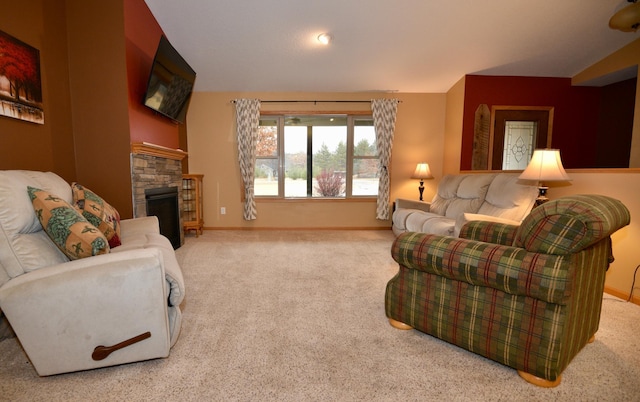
(20, 80)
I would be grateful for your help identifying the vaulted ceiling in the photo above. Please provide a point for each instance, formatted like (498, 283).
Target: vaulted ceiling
(384, 45)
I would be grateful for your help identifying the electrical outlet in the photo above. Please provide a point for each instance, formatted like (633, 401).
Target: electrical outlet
(223, 210)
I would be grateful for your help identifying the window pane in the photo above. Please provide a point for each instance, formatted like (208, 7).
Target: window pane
(267, 138)
(265, 181)
(329, 159)
(364, 138)
(295, 161)
(365, 161)
(365, 177)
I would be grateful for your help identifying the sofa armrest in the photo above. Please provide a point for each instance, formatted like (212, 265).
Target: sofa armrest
(139, 226)
(509, 269)
(63, 312)
(487, 232)
(412, 204)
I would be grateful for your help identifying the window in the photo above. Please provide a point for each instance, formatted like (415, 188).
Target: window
(316, 156)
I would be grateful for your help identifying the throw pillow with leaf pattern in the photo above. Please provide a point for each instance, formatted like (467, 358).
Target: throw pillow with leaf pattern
(98, 212)
(71, 232)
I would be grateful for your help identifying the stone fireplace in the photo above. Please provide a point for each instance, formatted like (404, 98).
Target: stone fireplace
(155, 167)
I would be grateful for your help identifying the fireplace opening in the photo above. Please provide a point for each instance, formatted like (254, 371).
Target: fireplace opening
(163, 203)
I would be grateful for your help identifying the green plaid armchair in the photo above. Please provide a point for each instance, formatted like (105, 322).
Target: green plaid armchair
(526, 296)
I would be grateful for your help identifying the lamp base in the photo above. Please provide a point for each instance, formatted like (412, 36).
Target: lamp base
(542, 195)
(421, 189)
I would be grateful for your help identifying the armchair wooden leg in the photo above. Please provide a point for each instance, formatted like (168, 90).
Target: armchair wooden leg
(399, 325)
(102, 352)
(540, 382)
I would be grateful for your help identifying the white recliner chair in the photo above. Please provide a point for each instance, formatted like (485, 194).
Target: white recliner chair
(103, 310)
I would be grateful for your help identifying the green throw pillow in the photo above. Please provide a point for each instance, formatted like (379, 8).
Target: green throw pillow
(70, 231)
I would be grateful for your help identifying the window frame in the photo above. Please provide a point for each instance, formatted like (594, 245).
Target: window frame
(280, 116)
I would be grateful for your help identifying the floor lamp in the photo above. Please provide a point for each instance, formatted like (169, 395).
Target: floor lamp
(545, 166)
(422, 173)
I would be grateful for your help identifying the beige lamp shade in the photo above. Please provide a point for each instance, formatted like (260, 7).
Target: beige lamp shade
(627, 19)
(422, 172)
(545, 166)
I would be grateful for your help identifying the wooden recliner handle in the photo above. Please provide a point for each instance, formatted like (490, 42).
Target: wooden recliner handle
(102, 352)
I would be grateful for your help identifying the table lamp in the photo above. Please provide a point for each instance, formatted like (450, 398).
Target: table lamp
(545, 166)
(422, 173)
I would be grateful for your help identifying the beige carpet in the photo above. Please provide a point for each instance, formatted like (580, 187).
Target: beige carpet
(299, 315)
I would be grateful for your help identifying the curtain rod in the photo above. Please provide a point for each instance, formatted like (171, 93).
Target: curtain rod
(314, 101)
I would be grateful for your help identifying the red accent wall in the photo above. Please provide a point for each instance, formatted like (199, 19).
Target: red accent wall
(143, 33)
(575, 121)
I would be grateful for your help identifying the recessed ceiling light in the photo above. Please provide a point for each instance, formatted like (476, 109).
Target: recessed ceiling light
(324, 38)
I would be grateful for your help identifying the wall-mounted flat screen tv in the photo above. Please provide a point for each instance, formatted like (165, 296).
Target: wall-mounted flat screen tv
(170, 83)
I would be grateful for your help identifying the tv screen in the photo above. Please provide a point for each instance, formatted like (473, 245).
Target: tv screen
(170, 83)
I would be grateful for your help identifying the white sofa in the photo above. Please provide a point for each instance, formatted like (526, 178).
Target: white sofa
(499, 197)
(62, 310)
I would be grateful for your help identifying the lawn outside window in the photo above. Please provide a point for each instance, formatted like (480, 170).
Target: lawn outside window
(316, 156)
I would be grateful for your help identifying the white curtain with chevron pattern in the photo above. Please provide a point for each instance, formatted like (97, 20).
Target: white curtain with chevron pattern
(384, 121)
(247, 121)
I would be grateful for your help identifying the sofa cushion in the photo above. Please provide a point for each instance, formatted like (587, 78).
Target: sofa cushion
(70, 231)
(446, 192)
(400, 216)
(507, 198)
(460, 193)
(98, 212)
(428, 222)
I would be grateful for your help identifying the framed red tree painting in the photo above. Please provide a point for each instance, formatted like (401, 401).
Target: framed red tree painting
(20, 83)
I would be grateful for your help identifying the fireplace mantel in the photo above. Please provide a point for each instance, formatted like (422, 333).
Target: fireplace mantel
(146, 148)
